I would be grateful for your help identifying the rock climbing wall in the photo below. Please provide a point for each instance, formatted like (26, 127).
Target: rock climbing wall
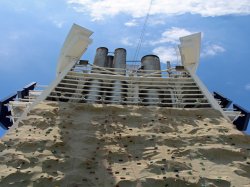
(75, 145)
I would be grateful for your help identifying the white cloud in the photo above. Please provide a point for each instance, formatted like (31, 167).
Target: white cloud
(131, 23)
(212, 50)
(166, 54)
(247, 87)
(58, 24)
(172, 53)
(128, 41)
(171, 36)
(57, 21)
(156, 21)
(100, 9)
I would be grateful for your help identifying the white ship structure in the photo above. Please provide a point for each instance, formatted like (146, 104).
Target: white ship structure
(110, 79)
(119, 123)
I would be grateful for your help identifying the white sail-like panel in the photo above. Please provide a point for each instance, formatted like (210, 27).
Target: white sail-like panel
(190, 51)
(74, 46)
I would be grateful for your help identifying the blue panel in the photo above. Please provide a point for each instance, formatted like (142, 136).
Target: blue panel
(5, 122)
(224, 102)
(8, 99)
(21, 94)
(3, 126)
(25, 91)
(30, 86)
(241, 122)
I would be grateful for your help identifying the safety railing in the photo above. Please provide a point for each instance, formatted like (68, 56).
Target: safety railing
(172, 87)
(22, 100)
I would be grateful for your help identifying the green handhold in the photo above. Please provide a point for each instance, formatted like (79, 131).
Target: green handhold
(39, 149)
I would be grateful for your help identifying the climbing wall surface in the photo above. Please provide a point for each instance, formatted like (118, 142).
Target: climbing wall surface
(66, 144)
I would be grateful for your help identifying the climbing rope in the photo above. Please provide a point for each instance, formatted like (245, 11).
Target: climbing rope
(140, 41)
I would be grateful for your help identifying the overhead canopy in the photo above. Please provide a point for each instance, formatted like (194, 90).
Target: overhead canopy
(190, 51)
(74, 46)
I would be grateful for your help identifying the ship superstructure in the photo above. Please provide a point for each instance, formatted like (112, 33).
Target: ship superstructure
(123, 124)
(111, 79)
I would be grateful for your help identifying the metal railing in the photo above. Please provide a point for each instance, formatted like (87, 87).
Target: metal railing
(92, 84)
(18, 105)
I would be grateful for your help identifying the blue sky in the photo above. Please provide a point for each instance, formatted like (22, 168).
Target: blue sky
(33, 31)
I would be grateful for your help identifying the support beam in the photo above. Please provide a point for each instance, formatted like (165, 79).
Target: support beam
(242, 121)
(6, 122)
(224, 102)
(25, 91)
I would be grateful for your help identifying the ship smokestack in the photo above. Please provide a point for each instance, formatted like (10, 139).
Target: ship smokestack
(119, 64)
(150, 95)
(110, 61)
(150, 64)
(120, 60)
(100, 57)
(94, 86)
(107, 83)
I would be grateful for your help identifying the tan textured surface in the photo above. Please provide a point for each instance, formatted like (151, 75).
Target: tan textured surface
(92, 145)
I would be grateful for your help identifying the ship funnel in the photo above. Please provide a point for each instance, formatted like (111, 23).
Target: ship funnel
(119, 63)
(150, 64)
(120, 60)
(94, 93)
(109, 62)
(101, 56)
